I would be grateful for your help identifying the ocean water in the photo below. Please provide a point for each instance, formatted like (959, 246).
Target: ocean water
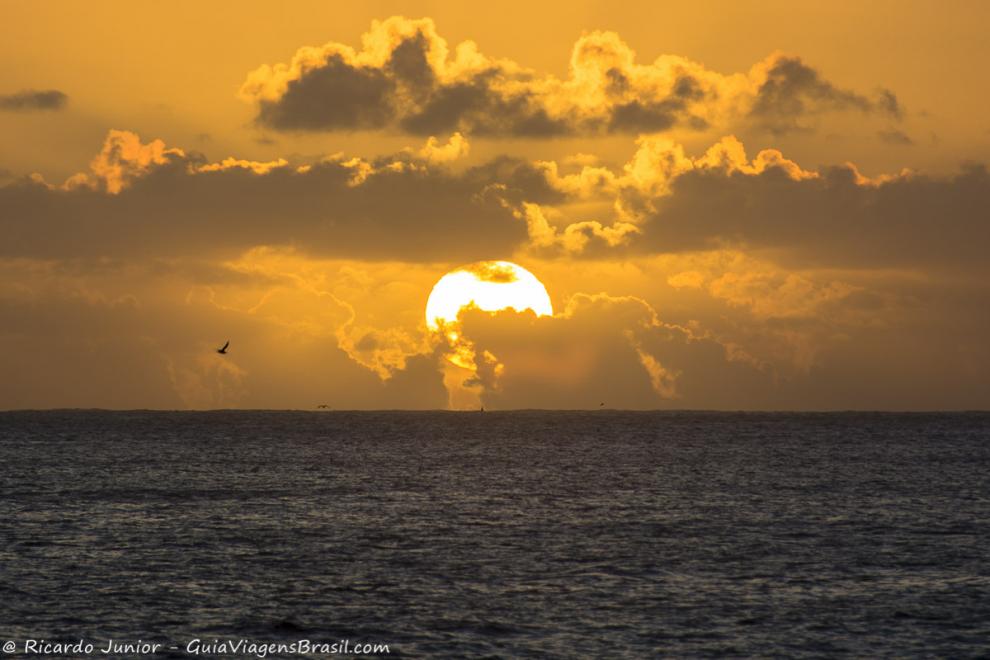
(516, 534)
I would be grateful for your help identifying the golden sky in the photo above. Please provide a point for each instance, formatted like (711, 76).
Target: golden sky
(730, 205)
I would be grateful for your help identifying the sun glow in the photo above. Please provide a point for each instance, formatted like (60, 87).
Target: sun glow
(489, 286)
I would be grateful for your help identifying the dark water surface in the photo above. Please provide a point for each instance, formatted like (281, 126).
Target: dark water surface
(533, 534)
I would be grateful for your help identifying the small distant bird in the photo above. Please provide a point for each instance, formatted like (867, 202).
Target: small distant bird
(223, 349)
(601, 404)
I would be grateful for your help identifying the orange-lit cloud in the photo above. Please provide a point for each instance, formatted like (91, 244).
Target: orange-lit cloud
(405, 76)
(148, 199)
(413, 206)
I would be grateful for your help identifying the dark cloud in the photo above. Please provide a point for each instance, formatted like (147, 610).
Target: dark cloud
(557, 363)
(404, 92)
(335, 96)
(639, 115)
(926, 352)
(473, 107)
(606, 350)
(833, 220)
(793, 90)
(32, 100)
(392, 209)
(516, 180)
(407, 79)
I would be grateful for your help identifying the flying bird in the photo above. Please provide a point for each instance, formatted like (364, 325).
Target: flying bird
(223, 349)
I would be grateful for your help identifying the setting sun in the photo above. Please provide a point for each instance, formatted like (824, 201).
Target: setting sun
(489, 286)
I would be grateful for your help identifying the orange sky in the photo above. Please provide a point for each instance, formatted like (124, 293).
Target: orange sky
(731, 205)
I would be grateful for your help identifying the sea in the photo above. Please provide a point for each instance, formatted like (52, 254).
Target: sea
(523, 534)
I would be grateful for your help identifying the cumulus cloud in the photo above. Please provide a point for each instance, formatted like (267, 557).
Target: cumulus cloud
(30, 100)
(142, 198)
(406, 77)
(122, 159)
(666, 201)
(837, 218)
(148, 199)
(456, 147)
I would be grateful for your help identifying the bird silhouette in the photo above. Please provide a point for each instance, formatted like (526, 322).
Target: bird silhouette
(223, 349)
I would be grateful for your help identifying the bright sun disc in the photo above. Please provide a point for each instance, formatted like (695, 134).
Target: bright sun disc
(490, 286)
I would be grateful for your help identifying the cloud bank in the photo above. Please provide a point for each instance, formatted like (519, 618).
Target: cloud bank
(147, 199)
(142, 199)
(406, 78)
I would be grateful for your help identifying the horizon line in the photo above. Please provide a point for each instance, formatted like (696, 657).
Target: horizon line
(512, 410)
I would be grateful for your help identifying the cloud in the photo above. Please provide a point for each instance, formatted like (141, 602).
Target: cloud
(666, 201)
(791, 91)
(457, 147)
(405, 77)
(122, 159)
(750, 335)
(623, 201)
(835, 219)
(31, 100)
(602, 349)
(146, 199)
